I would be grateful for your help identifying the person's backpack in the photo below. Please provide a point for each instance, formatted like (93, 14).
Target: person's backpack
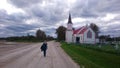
(41, 48)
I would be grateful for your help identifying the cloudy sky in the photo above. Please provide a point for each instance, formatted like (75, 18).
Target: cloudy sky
(19, 17)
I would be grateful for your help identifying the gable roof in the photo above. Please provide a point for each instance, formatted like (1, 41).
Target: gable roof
(80, 30)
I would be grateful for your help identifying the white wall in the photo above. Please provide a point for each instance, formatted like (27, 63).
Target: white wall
(69, 26)
(69, 38)
(78, 35)
(89, 40)
(84, 39)
(74, 38)
(81, 38)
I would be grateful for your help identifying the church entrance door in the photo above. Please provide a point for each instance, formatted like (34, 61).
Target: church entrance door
(77, 39)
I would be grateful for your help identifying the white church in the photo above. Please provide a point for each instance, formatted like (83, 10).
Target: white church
(81, 35)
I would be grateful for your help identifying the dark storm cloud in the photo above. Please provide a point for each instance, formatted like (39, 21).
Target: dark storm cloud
(84, 8)
(87, 13)
(49, 14)
(112, 33)
(14, 24)
(18, 17)
(110, 6)
(5, 32)
(116, 18)
(3, 13)
(95, 8)
(12, 19)
(51, 31)
(112, 28)
(20, 28)
(53, 12)
(24, 3)
(3, 16)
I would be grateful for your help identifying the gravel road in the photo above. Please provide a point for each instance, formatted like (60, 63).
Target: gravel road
(30, 56)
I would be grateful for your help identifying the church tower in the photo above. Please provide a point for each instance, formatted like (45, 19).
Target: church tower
(69, 31)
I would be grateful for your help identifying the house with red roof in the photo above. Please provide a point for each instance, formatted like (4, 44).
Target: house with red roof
(81, 35)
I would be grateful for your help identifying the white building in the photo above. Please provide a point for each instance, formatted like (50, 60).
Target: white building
(82, 35)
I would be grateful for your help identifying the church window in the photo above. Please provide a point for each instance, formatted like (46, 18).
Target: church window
(89, 34)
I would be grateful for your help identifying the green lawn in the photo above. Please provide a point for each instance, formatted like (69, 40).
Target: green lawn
(104, 48)
(91, 58)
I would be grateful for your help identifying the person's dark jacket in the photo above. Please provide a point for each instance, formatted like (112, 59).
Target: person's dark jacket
(44, 47)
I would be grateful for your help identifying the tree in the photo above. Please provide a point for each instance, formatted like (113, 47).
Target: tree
(49, 37)
(95, 29)
(60, 31)
(40, 35)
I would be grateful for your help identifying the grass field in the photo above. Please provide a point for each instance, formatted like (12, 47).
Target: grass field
(104, 48)
(89, 57)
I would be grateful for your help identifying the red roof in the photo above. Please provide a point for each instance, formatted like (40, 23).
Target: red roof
(76, 31)
(80, 30)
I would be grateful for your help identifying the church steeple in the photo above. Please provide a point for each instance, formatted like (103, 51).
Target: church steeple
(69, 31)
(69, 19)
(69, 24)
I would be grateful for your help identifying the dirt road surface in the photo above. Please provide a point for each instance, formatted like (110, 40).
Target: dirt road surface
(30, 56)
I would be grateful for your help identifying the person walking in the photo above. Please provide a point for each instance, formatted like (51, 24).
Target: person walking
(44, 48)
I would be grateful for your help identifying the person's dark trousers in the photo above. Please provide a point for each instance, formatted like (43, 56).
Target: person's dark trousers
(44, 53)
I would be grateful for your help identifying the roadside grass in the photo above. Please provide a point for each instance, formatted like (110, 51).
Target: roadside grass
(104, 48)
(91, 58)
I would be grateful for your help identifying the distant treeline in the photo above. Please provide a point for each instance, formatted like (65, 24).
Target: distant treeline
(40, 36)
(109, 38)
(26, 39)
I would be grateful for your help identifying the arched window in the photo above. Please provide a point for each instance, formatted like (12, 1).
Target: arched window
(89, 34)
